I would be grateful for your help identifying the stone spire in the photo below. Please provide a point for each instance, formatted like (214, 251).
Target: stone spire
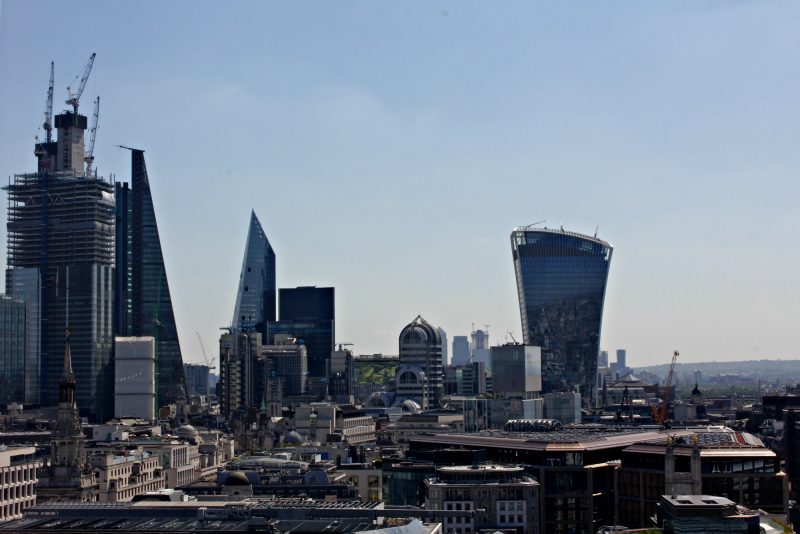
(68, 422)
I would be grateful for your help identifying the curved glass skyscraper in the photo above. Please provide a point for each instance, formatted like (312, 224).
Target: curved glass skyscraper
(561, 283)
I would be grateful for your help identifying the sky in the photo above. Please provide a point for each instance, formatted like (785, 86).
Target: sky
(389, 148)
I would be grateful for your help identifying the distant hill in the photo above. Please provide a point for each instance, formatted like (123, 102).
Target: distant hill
(783, 371)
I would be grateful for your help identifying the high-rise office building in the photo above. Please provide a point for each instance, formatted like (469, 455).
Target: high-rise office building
(460, 350)
(255, 300)
(621, 358)
(12, 350)
(561, 283)
(480, 348)
(602, 360)
(445, 347)
(60, 260)
(197, 378)
(134, 384)
(307, 314)
(419, 376)
(143, 306)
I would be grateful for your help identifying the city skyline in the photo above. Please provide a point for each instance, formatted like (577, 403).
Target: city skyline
(672, 155)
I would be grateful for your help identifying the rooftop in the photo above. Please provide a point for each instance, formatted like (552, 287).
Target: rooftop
(561, 231)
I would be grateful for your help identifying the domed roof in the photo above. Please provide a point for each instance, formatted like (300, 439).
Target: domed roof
(236, 478)
(187, 431)
(420, 332)
(292, 437)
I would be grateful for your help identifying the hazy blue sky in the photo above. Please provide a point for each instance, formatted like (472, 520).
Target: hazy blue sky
(389, 148)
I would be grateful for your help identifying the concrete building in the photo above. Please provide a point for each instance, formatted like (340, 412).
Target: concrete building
(367, 478)
(489, 496)
(123, 473)
(431, 422)
(445, 347)
(342, 376)
(323, 422)
(134, 377)
(705, 514)
(18, 466)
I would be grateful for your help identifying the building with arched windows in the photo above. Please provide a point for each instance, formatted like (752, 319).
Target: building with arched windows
(419, 376)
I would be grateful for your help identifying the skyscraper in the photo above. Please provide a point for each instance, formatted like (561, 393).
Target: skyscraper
(460, 350)
(143, 306)
(308, 314)
(561, 284)
(60, 261)
(255, 300)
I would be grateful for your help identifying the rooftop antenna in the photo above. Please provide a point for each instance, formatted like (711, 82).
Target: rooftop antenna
(596, 228)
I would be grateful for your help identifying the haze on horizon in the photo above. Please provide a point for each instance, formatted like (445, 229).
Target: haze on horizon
(389, 149)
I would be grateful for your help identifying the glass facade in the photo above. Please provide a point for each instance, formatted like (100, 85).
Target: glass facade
(308, 313)
(255, 300)
(12, 350)
(143, 304)
(516, 370)
(561, 284)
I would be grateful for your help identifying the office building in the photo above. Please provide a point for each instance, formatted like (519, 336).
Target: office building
(561, 283)
(143, 306)
(61, 253)
(12, 351)
(516, 370)
(288, 363)
(307, 314)
(713, 461)
(419, 376)
(256, 297)
(18, 466)
(374, 373)
(134, 384)
(342, 376)
(622, 358)
(243, 372)
(479, 347)
(461, 352)
(564, 407)
(791, 444)
(196, 378)
(602, 360)
(25, 285)
(445, 348)
(490, 497)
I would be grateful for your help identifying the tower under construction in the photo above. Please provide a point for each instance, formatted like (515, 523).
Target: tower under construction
(60, 261)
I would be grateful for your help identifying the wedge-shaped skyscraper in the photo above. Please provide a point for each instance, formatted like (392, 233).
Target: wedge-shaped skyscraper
(143, 306)
(561, 283)
(255, 300)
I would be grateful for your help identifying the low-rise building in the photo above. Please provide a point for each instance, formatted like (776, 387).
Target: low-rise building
(18, 467)
(490, 497)
(124, 474)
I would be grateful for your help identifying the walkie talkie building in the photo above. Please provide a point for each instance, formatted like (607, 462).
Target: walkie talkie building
(561, 283)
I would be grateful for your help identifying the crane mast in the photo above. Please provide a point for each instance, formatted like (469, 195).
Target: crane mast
(663, 414)
(48, 109)
(74, 98)
(89, 157)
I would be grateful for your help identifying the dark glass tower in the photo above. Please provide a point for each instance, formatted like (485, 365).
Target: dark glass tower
(307, 313)
(143, 306)
(561, 283)
(255, 300)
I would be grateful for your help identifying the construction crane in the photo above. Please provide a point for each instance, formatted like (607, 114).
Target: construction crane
(209, 363)
(625, 409)
(74, 99)
(89, 156)
(48, 109)
(661, 415)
